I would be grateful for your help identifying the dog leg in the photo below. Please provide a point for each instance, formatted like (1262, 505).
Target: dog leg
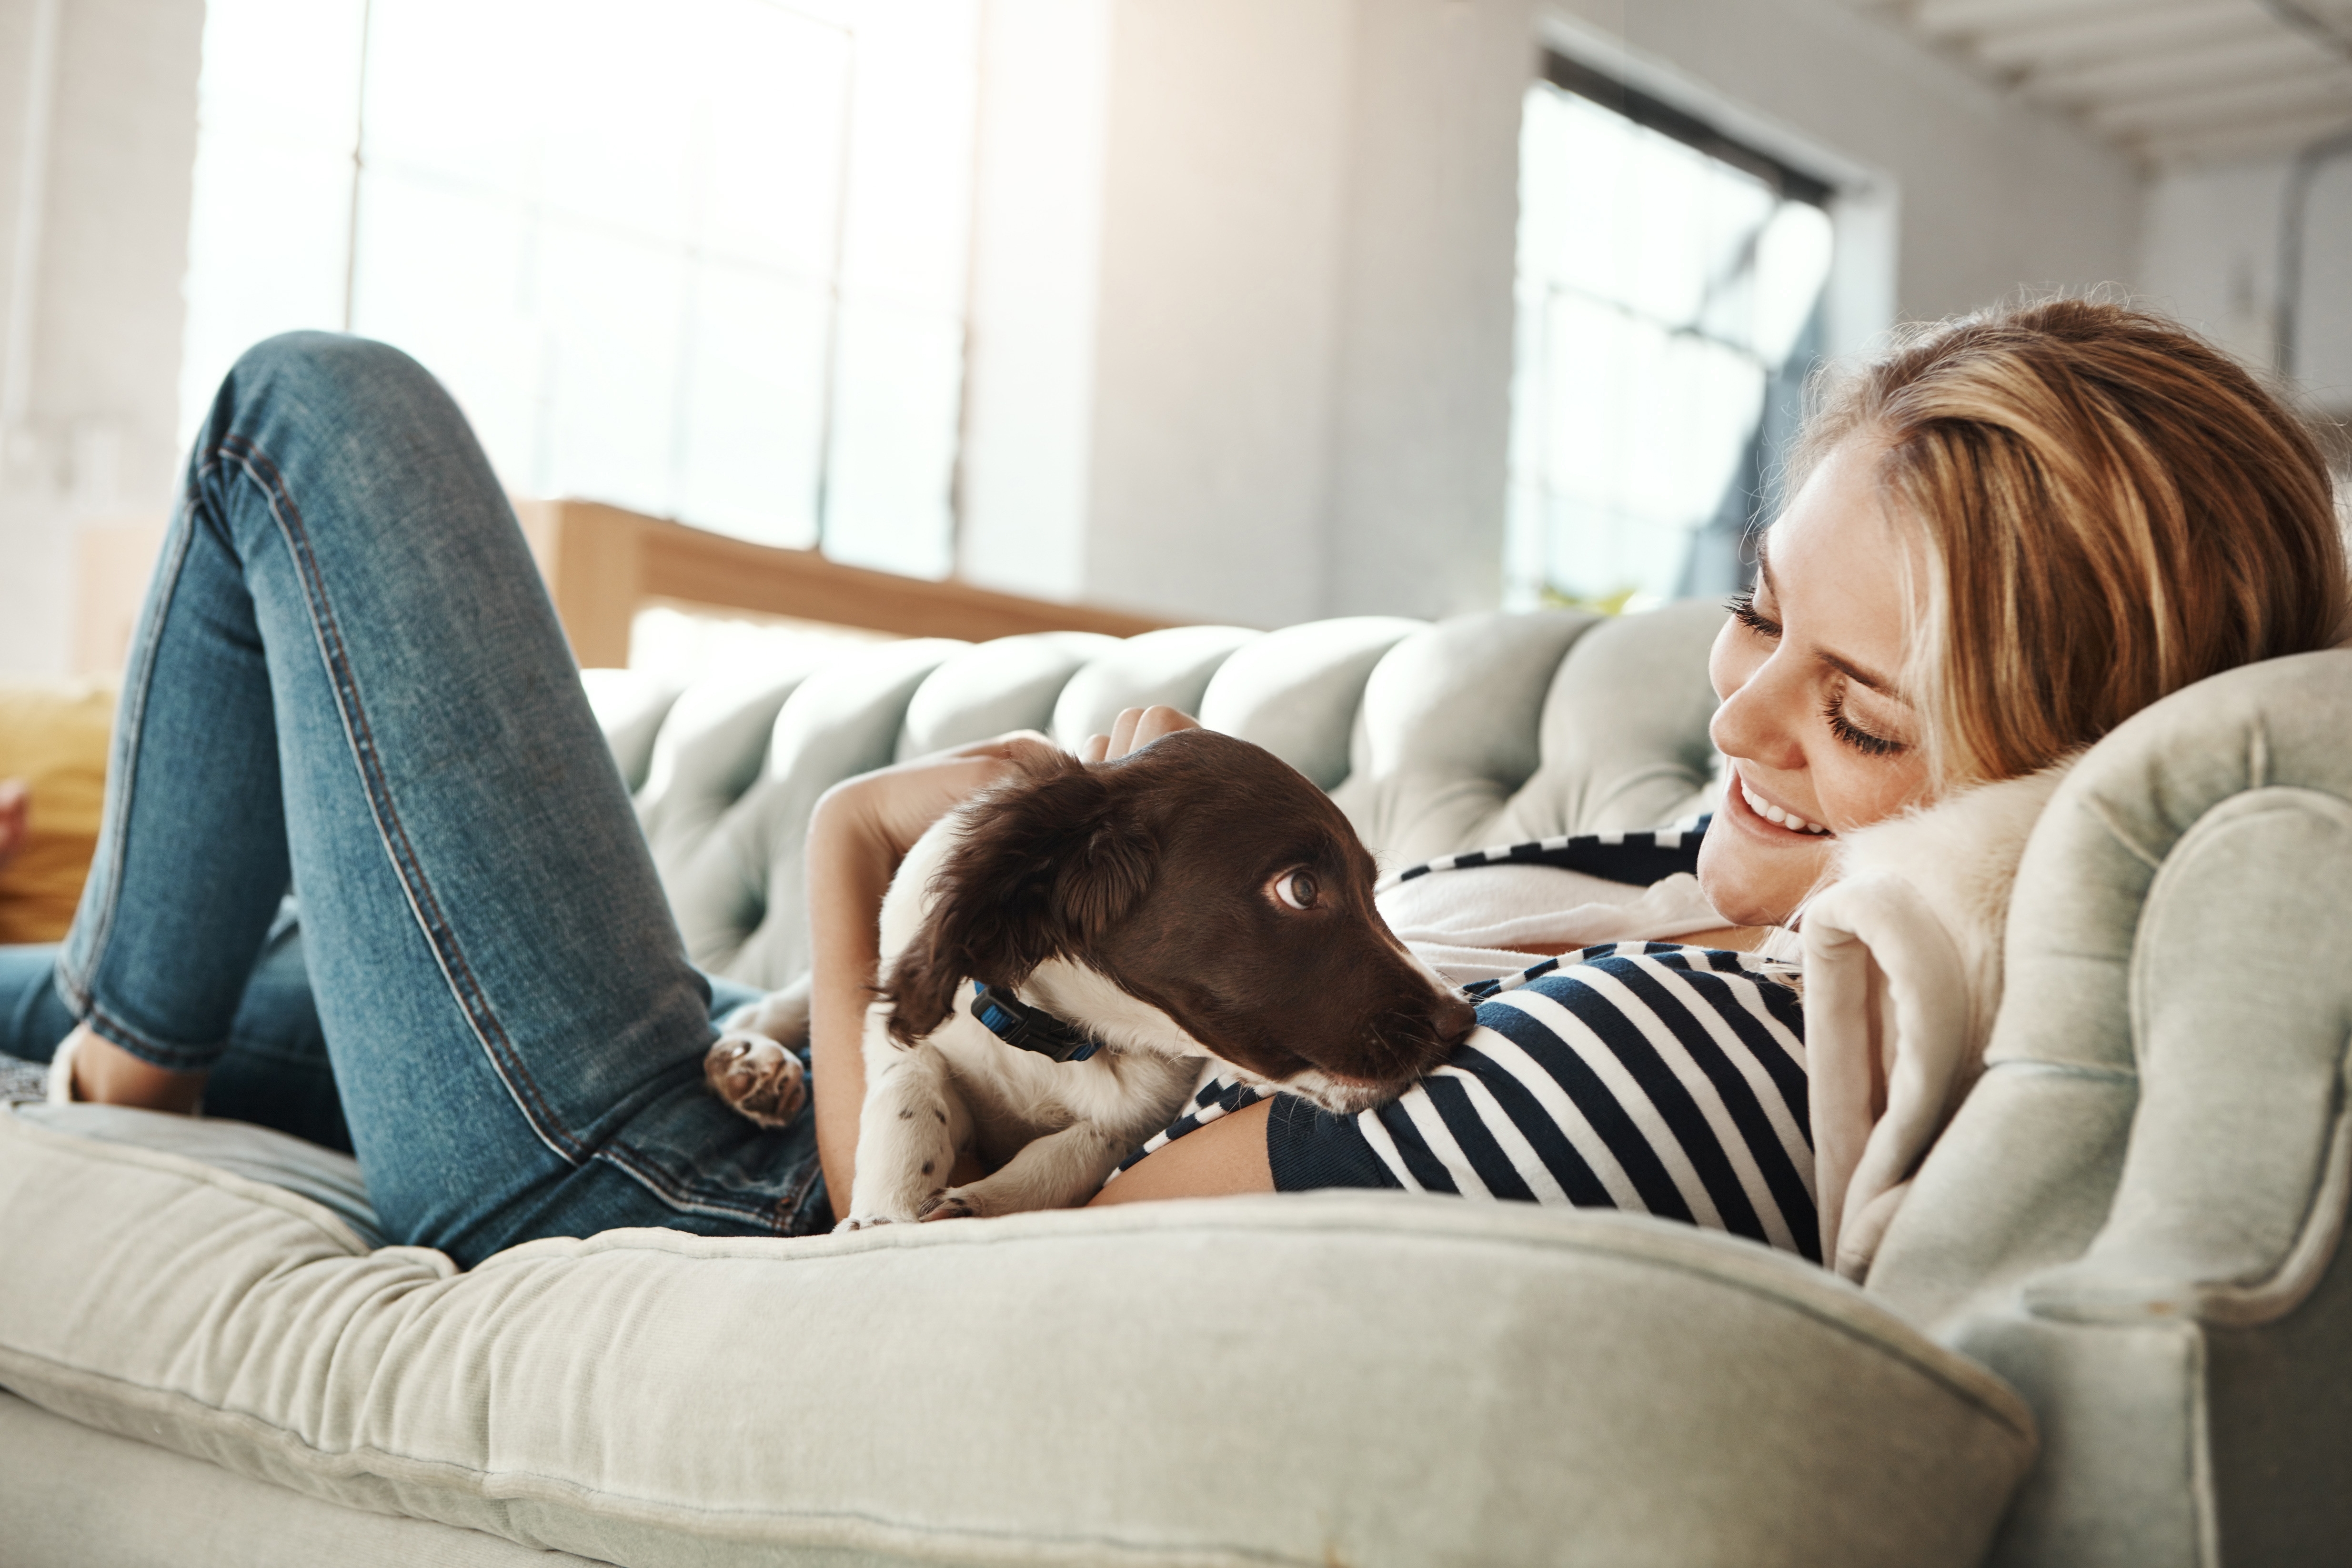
(1058, 1171)
(907, 1129)
(781, 1015)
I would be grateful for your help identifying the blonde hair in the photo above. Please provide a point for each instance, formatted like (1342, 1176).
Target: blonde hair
(2109, 509)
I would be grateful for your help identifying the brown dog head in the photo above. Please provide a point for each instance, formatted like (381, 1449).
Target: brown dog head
(1203, 877)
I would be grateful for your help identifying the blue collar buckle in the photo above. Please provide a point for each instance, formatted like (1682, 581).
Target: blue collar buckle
(1016, 1022)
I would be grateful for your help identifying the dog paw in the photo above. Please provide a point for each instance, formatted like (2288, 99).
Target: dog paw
(862, 1222)
(946, 1206)
(758, 1077)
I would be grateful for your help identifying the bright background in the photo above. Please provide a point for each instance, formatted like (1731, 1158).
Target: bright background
(1247, 311)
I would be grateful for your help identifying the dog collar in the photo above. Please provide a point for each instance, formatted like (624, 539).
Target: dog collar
(1016, 1022)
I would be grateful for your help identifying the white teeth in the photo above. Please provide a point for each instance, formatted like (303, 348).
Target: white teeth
(1773, 814)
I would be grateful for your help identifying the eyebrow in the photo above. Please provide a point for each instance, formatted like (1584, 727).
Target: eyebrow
(1838, 662)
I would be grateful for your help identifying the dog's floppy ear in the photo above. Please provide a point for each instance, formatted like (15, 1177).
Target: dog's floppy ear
(1045, 865)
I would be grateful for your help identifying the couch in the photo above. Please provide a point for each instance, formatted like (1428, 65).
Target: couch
(2109, 1325)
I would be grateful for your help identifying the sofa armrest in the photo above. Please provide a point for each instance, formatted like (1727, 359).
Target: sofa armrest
(2136, 1216)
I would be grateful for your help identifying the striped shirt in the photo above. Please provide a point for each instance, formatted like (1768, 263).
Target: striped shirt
(1652, 1076)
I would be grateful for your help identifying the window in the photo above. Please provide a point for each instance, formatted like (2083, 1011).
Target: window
(702, 258)
(1670, 291)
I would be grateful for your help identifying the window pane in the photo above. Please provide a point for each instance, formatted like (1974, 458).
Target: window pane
(1661, 291)
(753, 423)
(268, 236)
(442, 274)
(894, 441)
(643, 242)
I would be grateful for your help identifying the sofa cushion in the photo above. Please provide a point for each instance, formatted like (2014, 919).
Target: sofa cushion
(1367, 1378)
(63, 1505)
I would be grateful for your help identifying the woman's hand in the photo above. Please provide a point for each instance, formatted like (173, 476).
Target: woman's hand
(1133, 729)
(859, 832)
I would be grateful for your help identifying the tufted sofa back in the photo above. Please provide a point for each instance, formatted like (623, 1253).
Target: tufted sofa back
(2136, 1218)
(1432, 738)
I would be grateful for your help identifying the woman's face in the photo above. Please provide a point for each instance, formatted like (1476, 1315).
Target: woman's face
(1818, 735)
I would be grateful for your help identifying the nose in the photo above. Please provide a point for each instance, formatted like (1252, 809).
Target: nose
(1754, 722)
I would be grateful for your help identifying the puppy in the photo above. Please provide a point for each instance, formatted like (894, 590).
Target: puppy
(1062, 951)
(1198, 898)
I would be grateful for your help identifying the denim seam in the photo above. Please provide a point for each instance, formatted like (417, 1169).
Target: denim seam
(76, 983)
(688, 1199)
(257, 466)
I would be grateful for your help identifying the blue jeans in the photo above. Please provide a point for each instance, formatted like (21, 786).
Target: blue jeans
(275, 1070)
(347, 676)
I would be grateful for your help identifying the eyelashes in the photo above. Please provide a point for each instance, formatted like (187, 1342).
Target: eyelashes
(1742, 608)
(1854, 735)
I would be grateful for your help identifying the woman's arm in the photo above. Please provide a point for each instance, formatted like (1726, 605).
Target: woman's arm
(1226, 1157)
(859, 832)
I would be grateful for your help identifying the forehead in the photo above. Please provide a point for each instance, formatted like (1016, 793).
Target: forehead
(1834, 562)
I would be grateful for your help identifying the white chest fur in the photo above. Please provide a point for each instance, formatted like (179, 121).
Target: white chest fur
(1052, 1131)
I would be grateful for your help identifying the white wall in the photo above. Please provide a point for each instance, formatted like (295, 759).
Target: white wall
(1036, 247)
(1413, 515)
(108, 246)
(1241, 304)
(1301, 309)
(1298, 317)
(2211, 253)
(1223, 244)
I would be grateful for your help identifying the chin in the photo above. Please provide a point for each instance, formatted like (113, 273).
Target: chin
(1749, 894)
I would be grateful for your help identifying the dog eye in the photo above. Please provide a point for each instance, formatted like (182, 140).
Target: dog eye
(1295, 889)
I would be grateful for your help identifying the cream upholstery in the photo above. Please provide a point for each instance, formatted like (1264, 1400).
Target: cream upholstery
(2135, 1221)
(2137, 1215)
(1360, 1378)
(1432, 738)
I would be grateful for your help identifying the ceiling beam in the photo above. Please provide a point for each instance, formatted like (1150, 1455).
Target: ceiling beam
(2277, 59)
(2232, 106)
(2197, 24)
(1965, 18)
(2232, 143)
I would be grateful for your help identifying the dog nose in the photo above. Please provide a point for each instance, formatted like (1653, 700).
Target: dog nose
(1457, 1016)
(1419, 1041)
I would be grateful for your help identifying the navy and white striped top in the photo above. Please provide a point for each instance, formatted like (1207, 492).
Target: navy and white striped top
(1650, 1077)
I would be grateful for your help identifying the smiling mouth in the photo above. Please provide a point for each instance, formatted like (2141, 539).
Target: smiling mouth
(1775, 815)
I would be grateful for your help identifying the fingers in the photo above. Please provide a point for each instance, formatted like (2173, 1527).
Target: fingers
(1122, 731)
(1136, 728)
(1157, 721)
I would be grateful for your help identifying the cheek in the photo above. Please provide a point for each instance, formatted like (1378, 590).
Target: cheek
(1856, 791)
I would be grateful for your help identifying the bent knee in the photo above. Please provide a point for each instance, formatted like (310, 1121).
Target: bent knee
(335, 365)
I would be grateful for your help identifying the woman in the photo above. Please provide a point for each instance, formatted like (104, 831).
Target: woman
(2012, 532)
